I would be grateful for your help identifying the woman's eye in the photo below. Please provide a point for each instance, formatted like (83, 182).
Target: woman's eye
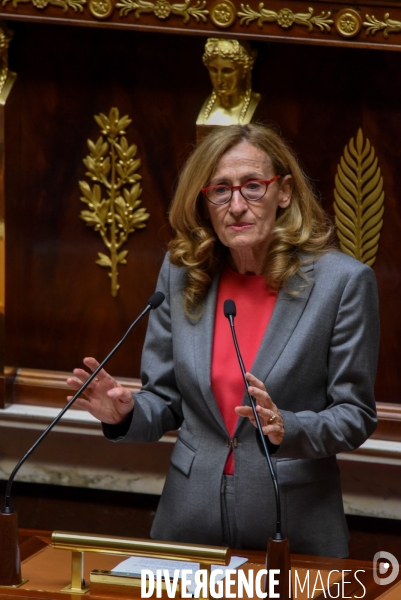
(252, 185)
(221, 190)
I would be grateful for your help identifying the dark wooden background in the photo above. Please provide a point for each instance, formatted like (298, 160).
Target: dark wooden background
(58, 302)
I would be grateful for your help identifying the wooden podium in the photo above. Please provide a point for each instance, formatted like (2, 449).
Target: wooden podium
(48, 571)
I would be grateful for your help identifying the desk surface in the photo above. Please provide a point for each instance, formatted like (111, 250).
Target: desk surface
(48, 571)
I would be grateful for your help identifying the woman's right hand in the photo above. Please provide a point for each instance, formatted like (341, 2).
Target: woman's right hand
(105, 399)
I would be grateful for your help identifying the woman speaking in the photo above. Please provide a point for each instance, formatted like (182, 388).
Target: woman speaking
(248, 228)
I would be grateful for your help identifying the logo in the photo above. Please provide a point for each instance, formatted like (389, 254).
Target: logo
(385, 563)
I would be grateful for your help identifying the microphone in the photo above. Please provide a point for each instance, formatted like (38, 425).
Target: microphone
(230, 311)
(154, 302)
(278, 556)
(10, 574)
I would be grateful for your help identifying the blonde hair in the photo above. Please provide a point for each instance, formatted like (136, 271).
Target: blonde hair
(302, 227)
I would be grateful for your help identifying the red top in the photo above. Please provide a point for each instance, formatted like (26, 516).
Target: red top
(255, 304)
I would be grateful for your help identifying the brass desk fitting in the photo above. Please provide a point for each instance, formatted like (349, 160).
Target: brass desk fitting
(79, 543)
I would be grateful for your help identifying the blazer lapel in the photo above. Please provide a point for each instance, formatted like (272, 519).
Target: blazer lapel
(203, 334)
(286, 314)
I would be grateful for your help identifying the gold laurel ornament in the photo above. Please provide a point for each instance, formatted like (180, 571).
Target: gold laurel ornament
(65, 5)
(162, 9)
(285, 18)
(387, 26)
(112, 166)
(359, 200)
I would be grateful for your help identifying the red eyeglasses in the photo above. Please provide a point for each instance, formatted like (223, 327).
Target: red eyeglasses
(253, 190)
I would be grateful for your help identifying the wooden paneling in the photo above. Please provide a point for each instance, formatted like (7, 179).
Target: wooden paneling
(58, 302)
(389, 427)
(59, 306)
(46, 388)
(78, 509)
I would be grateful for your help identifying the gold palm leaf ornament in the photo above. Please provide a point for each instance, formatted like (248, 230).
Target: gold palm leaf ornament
(359, 199)
(114, 199)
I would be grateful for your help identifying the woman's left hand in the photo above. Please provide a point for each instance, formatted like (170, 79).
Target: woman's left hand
(270, 416)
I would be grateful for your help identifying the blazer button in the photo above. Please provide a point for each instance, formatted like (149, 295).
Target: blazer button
(235, 442)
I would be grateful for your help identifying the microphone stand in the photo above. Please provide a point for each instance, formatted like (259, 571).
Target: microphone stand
(10, 562)
(278, 548)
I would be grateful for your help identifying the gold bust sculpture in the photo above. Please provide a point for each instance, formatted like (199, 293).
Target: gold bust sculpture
(230, 64)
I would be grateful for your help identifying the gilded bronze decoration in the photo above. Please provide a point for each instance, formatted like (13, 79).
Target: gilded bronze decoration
(348, 22)
(7, 79)
(223, 14)
(162, 9)
(373, 25)
(232, 100)
(285, 18)
(76, 5)
(101, 9)
(5, 39)
(359, 199)
(112, 166)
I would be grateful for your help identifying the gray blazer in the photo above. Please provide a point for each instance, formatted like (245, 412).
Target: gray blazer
(318, 361)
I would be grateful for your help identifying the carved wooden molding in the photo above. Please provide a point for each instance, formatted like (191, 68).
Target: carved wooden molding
(389, 427)
(326, 22)
(48, 388)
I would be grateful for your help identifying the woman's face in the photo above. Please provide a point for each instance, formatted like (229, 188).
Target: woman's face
(225, 75)
(242, 225)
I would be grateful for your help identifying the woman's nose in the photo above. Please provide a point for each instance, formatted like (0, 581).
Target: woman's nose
(238, 204)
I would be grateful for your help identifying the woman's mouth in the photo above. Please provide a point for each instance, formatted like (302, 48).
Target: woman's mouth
(240, 226)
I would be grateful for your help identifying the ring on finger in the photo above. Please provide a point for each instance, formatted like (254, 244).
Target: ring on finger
(272, 417)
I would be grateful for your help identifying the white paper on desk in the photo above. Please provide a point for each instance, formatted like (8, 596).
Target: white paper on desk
(132, 566)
